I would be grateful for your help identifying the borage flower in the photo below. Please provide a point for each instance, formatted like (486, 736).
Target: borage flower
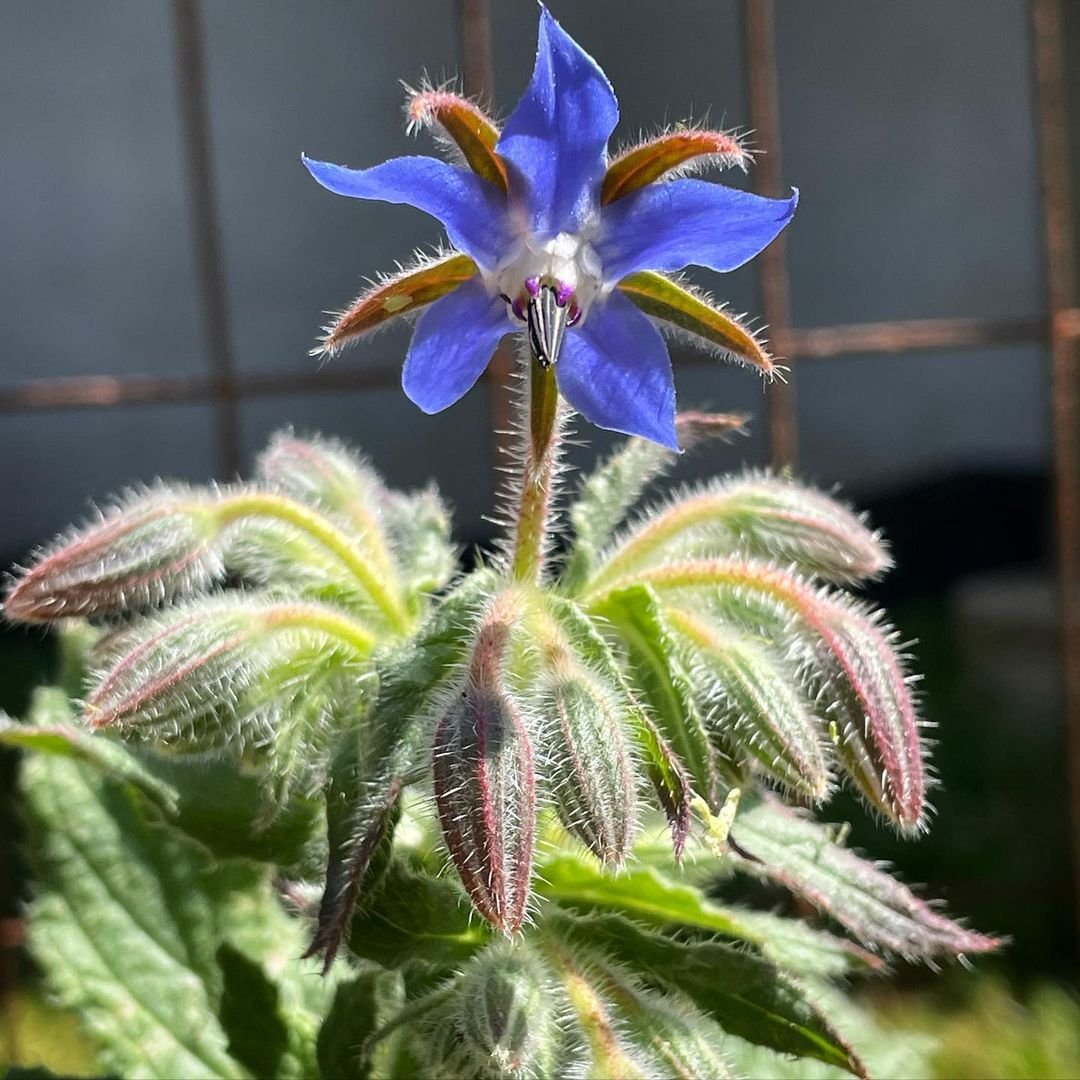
(571, 248)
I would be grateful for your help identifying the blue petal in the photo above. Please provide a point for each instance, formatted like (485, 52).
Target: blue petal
(451, 346)
(616, 372)
(555, 141)
(667, 226)
(472, 210)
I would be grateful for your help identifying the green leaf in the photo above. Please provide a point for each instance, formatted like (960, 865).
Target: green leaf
(125, 918)
(745, 994)
(754, 701)
(212, 798)
(150, 941)
(414, 916)
(652, 656)
(106, 755)
(258, 1038)
(802, 855)
(361, 1006)
(649, 896)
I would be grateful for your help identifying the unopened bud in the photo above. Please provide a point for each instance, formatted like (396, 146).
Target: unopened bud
(589, 767)
(485, 781)
(506, 1017)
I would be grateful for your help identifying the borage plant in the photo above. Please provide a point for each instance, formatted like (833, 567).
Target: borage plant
(528, 808)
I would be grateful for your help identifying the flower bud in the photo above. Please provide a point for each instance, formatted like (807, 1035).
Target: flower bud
(589, 767)
(506, 1018)
(485, 780)
(150, 547)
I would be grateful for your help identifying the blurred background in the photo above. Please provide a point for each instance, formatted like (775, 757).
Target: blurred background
(165, 263)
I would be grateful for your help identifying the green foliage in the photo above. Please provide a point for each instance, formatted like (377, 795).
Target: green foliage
(284, 727)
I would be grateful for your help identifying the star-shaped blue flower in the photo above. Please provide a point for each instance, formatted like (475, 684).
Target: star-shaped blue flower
(553, 240)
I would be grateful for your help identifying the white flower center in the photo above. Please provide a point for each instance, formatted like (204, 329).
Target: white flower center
(567, 263)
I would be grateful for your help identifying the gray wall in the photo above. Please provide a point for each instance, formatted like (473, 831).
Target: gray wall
(908, 127)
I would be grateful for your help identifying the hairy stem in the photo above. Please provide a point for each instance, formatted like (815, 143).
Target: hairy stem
(538, 470)
(260, 504)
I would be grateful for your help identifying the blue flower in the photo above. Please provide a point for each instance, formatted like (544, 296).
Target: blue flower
(553, 240)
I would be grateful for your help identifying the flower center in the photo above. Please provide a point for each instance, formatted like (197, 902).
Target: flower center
(565, 269)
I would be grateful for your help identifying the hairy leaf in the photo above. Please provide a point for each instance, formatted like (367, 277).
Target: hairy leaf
(876, 908)
(692, 313)
(650, 896)
(462, 124)
(848, 657)
(395, 295)
(744, 994)
(685, 147)
(412, 916)
(588, 768)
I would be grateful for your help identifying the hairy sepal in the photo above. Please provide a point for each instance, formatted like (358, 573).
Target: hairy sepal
(652, 751)
(846, 654)
(461, 124)
(412, 288)
(372, 762)
(805, 857)
(620, 481)
(672, 152)
(755, 516)
(754, 702)
(587, 766)
(691, 312)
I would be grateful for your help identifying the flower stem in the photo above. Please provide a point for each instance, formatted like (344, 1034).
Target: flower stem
(538, 470)
(326, 535)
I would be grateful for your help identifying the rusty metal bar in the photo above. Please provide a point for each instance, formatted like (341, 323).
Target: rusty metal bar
(817, 343)
(763, 99)
(206, 229)
(1062, 295)
(822, 342)
(106, 390)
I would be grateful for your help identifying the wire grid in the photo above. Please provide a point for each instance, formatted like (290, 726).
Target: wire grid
(1058, 328)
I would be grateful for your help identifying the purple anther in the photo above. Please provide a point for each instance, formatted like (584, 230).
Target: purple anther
(518, 308)
(563, 294)
(533, 286)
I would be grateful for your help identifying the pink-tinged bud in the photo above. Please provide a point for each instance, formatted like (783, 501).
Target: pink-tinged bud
(485, 780)
(873, 718)
(485, 793)
(675, 151)
(149, 548)
(790, 524)
(588, 764)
